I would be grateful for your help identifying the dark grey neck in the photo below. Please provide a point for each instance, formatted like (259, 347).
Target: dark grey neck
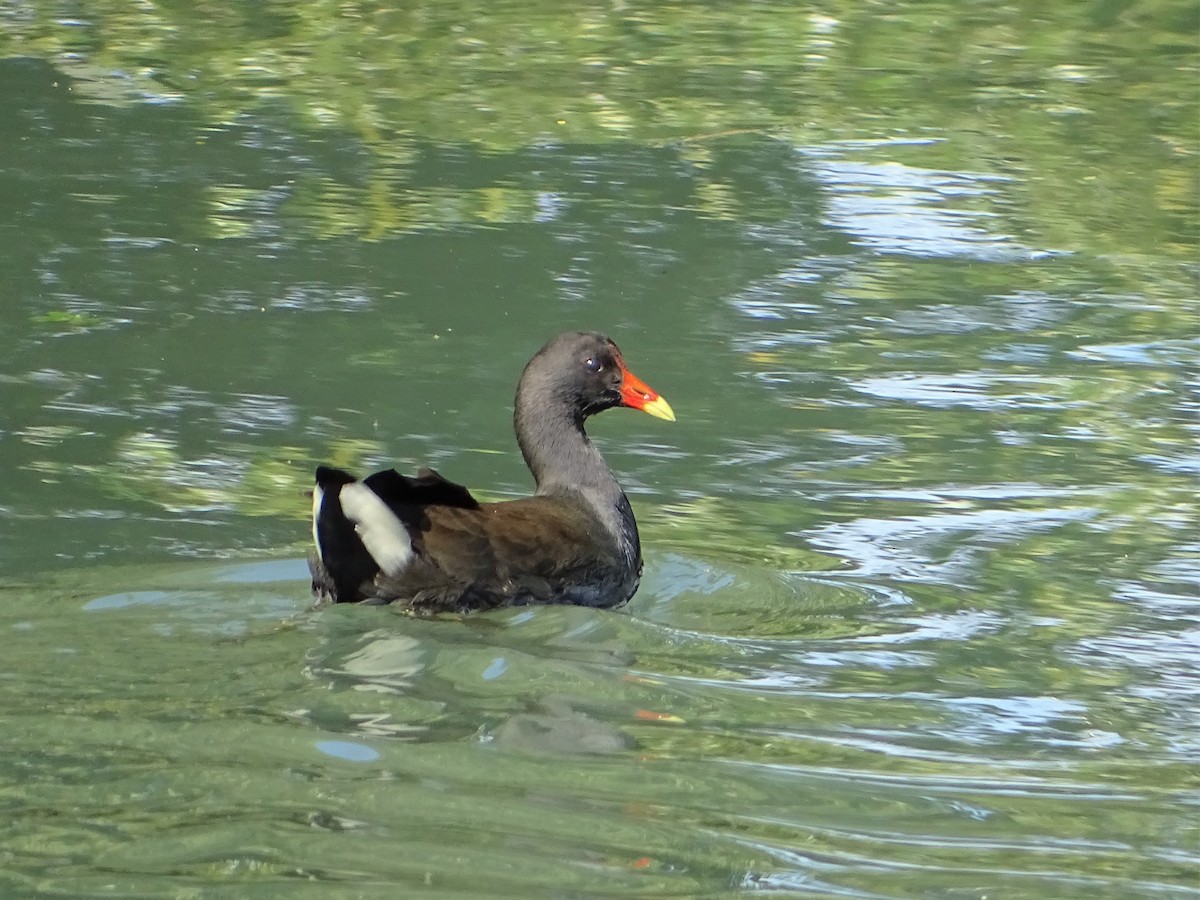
(565, 462)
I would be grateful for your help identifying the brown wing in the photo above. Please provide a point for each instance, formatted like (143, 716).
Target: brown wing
(534, 550)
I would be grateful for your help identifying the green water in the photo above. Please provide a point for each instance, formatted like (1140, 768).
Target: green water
(921, 610)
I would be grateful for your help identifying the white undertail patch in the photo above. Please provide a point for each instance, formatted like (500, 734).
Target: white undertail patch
(382, 533)
(318, 495)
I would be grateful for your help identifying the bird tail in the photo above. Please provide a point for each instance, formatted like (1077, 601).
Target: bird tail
(357, 534)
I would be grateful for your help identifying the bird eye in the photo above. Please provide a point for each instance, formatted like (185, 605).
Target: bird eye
(593, 365)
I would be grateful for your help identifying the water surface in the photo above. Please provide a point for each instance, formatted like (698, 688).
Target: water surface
(921, 611)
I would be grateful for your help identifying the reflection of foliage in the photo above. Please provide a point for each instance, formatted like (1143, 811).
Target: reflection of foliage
(1061, 99)
(72, 320)
(148, 468)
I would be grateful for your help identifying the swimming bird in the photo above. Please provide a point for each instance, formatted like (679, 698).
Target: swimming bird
(426, 544)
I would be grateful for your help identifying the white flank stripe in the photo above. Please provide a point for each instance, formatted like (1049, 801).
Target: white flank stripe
(384, 535)
(318, 496)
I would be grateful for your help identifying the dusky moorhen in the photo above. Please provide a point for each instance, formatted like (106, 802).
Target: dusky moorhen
(427, 544)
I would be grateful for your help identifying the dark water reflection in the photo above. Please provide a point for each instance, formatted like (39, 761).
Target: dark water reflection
(920, 614)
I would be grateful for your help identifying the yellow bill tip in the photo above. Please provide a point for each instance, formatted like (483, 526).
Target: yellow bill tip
(659, 408)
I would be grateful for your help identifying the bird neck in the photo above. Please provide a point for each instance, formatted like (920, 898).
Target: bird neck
(565, 462)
